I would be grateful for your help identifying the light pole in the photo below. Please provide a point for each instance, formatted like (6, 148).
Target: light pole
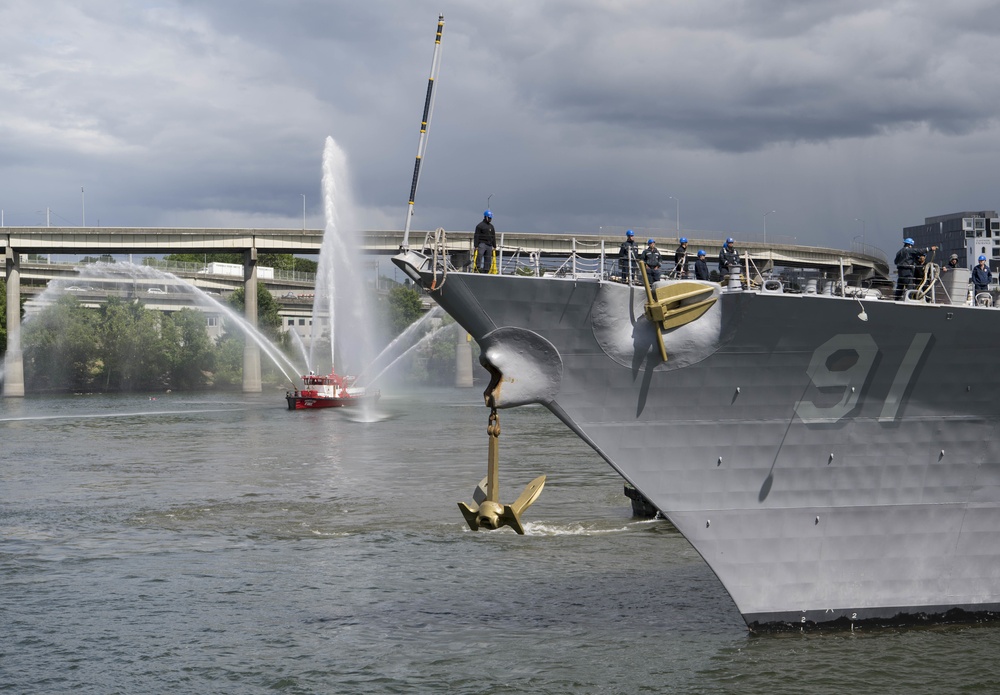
(676, 200)
(765, 224)
(303, 210)
(858, 219)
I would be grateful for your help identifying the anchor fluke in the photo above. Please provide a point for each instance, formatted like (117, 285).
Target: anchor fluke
(531, 492)
(487, 511)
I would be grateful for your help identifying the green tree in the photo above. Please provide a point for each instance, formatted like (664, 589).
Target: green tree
(441, 354)
(132, 349)
(305, 265)
(228, 362)
(191, 354)
(61, 348)
(405, 307)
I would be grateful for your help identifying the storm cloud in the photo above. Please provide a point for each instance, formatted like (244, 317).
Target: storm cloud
(846, 118)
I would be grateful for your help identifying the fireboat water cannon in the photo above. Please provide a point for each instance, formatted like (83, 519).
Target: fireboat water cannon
(487, 511)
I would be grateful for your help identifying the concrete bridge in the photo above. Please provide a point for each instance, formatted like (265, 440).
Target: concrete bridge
(860, 261)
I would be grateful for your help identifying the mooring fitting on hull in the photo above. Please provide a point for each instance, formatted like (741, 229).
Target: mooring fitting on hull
(487, 511)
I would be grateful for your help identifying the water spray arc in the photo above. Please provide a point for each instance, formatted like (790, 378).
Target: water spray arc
(422, 341)
(110, 274)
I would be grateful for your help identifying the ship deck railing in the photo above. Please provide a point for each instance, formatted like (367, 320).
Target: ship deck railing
(797, 270)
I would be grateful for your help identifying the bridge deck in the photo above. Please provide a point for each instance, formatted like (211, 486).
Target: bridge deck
(145, 240)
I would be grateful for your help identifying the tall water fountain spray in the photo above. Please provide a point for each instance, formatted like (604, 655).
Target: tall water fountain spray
(341, 312)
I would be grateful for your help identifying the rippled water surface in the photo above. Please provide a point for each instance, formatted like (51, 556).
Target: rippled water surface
(224, 544)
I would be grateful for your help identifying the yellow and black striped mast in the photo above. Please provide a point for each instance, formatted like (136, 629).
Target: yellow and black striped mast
(424, 125)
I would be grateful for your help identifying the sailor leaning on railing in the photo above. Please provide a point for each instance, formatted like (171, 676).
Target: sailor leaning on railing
(906, 262)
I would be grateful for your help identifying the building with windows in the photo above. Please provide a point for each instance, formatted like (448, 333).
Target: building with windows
(969, 234)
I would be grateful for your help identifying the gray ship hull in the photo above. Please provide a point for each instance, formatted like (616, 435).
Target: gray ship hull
(828, 469)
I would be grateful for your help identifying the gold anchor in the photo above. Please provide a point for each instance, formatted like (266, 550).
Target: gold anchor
(487, 511)
(671, 306)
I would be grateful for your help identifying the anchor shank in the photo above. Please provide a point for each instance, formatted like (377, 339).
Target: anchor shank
(493, 460)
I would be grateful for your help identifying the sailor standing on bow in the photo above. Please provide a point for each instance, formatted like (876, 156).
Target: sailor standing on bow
(651, 257)
(982, 276)
(681, 260)
(729, 260)
(628, 254)
(701, 267)
(484, 241)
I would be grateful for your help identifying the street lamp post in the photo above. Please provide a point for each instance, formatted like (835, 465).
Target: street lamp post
(676, 200)
(765, 224)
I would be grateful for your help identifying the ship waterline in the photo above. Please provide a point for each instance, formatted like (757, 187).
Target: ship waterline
(834, 461)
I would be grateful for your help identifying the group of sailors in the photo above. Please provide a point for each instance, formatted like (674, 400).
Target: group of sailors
(484, 245)
(911, 262)
(629, 256)
(912, 268)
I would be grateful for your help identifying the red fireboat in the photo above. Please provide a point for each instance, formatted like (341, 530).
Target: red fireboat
(329, 391)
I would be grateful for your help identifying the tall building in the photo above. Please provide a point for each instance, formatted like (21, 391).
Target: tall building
(969, 234)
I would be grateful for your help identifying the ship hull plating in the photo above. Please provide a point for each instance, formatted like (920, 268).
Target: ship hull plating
(829, 469)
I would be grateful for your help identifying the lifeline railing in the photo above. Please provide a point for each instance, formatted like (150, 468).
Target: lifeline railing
(592, 260)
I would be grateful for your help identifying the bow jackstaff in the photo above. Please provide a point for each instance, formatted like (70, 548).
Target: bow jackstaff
(424, 125)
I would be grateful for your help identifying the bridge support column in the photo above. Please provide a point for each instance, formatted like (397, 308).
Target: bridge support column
(13, 365)
(251, 352)
(463, 361)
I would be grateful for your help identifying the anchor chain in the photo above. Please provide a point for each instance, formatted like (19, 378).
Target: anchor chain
(487, 511)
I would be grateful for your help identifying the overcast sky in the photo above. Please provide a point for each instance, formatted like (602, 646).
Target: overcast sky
(575, 115)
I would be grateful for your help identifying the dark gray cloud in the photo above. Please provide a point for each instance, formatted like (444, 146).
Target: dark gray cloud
(575, 115)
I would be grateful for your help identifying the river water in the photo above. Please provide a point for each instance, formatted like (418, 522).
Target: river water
(221, 543)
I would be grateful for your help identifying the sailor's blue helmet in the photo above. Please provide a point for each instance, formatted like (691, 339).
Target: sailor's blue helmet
(729, 240)
(982, 258)
(701, 252)
(650, 241)
(684, 240)
(630, 233)
(908, 241)
(488, 214)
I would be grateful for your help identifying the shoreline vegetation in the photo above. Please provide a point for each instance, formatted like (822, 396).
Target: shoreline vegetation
(123, 347)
